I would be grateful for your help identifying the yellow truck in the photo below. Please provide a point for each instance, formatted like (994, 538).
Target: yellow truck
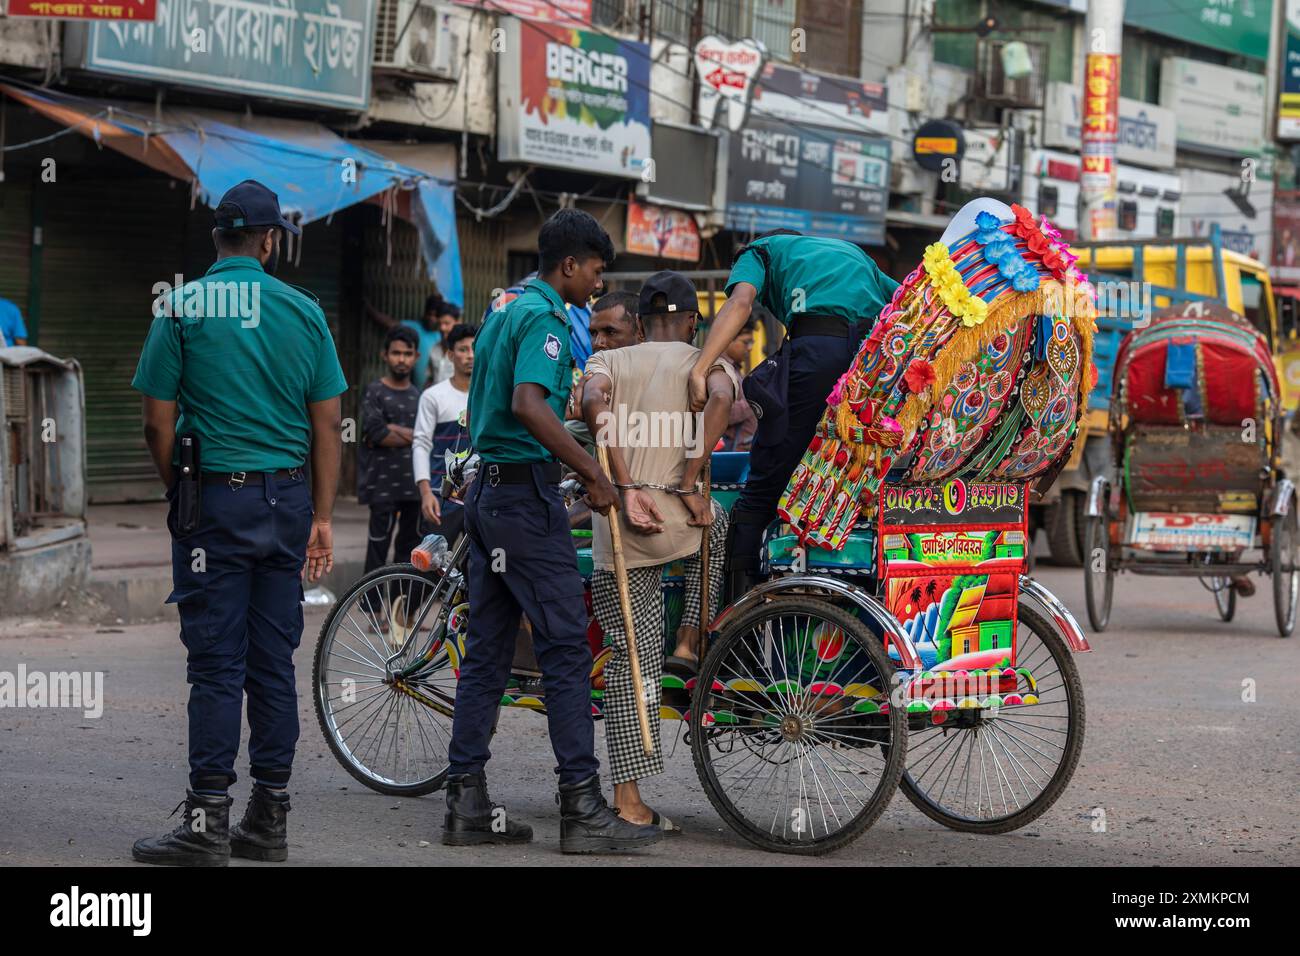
(1134, 280)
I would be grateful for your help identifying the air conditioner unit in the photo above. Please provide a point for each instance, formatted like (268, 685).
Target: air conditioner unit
(417, 38)
(992, 83)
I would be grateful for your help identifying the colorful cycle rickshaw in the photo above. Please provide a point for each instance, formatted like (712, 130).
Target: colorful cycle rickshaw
(1194, 488)
(895, 638)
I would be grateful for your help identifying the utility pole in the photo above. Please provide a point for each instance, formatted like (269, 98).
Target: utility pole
(1104, 27)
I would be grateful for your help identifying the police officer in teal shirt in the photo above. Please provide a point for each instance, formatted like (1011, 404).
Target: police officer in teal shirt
(244, 365)
(827, 293)
(522, 559)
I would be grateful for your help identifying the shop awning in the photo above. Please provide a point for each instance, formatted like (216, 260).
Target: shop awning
(314, 171)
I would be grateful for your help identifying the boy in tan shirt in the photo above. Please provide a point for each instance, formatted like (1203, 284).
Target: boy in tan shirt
(635, 401)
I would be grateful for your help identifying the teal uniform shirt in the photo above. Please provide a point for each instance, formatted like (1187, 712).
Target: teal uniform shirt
(527, 341)
(242, 354)
(808, 275)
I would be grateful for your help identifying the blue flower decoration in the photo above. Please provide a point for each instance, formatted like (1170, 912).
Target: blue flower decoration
(1002, 254)
(1025, 280)
(988, 228)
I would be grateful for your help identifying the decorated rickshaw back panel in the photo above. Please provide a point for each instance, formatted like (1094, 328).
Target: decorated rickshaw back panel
(951, 555)
(1203, 468)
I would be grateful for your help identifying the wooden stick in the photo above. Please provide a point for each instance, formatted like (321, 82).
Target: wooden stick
(625, 604)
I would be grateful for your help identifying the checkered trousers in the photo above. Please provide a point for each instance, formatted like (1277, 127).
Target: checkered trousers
(628, 761)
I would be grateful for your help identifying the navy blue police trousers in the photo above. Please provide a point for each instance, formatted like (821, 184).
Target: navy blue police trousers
(238, 589)
(816, 363)
(522, 559)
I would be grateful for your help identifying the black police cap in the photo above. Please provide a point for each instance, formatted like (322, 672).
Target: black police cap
(251, 204)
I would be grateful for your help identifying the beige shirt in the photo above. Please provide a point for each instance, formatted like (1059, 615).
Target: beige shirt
(650, 420)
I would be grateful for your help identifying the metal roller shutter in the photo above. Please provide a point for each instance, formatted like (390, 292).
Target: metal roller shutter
(106, 243)
(16, 243)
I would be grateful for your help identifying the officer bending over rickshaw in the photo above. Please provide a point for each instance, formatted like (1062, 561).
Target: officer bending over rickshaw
(827, 293)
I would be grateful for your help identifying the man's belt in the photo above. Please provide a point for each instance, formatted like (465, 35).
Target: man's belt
(809, 324)
(237, 479)
(521, 472)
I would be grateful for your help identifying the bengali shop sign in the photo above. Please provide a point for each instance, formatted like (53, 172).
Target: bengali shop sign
(1146, 132)
(573, 99)
(142, 10)
(1219, 109)
(305, 51)
(661, 232)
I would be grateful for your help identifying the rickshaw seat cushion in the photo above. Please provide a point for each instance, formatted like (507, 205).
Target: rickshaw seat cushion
(858, 553)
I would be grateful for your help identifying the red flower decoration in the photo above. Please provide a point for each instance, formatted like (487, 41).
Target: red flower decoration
(1038, 243)
(878, 333)
(919, 375)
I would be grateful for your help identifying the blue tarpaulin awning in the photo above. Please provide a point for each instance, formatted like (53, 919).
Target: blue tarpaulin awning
(314, 171)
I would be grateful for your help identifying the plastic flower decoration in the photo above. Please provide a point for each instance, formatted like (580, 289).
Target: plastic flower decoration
(919, 375)
(947, 281)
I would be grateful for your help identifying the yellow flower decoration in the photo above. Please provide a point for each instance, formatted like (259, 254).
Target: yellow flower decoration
(946, 280)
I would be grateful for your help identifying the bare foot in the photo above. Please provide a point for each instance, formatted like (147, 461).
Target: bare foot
(636, 813)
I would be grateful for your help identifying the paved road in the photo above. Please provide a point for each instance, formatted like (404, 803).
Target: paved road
(1185, 771)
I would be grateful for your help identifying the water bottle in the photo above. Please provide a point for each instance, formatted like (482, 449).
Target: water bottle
(430, 553)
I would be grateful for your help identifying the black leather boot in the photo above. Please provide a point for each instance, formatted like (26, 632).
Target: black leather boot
(588, 825)
(262, 834)
(472, 819)
(202, 838)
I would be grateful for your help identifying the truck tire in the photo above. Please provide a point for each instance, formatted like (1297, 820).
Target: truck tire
(1064, 526)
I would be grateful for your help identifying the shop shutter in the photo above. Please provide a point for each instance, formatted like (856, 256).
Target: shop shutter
(106, 243)
(15, 242)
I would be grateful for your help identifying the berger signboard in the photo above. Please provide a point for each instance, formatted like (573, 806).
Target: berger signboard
(573, 99)
(305, 51)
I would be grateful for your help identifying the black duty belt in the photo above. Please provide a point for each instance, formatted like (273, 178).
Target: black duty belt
(835, 325)
(521, 472)
(237, 479)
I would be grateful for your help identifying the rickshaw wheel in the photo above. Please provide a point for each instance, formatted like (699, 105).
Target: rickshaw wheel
(1286, 578)
(791, 732)
(1020, 758)
(1225, 597)
(383, 737)
(1098, 585)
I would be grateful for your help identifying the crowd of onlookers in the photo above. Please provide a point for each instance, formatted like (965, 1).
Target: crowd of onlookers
(415, 413)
